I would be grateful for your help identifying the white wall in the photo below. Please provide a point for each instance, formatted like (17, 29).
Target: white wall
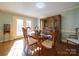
(5, 19)
(70, 21)
(11, 19)
(33, 20)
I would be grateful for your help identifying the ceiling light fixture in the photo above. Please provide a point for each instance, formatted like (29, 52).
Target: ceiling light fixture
(40, 5)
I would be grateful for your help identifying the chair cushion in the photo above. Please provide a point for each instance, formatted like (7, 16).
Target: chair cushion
(47, 43)
(32, 41)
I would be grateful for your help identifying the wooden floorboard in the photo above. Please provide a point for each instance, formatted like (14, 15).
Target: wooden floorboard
(60, 50)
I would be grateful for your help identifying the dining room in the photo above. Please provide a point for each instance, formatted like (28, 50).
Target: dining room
(34, 30)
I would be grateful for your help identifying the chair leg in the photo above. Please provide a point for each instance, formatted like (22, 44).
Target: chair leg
(42, 52)
(25, 50)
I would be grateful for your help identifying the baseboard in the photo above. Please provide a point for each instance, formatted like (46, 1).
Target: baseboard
(65, 41)
(11, 40)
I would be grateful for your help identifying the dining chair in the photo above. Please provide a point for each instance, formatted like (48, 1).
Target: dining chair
(49, 45)
(28, 41)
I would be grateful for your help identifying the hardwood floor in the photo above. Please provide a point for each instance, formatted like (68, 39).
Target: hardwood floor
(5, 47)
(60, 50)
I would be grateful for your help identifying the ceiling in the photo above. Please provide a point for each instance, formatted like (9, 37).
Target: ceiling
(30, 9)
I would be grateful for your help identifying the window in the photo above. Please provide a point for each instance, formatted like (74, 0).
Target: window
(28, 23)
(19, 27)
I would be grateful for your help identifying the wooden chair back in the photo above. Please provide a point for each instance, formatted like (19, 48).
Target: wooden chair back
(54, 37)
(25, 35)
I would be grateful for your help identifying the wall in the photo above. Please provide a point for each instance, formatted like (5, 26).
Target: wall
(5, 19)
(70, 21)
(11, 19)
(33, 20)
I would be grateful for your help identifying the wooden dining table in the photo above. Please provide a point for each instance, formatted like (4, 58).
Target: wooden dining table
(40, 40)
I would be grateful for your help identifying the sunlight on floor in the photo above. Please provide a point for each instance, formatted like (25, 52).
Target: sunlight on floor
(16, 49)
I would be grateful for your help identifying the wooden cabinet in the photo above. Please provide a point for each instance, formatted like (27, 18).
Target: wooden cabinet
(54, 22)
(6, 28)
(49, 22)
(57, 22)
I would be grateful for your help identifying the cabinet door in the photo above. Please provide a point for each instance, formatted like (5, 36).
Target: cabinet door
(51, 23)
(6, 28)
